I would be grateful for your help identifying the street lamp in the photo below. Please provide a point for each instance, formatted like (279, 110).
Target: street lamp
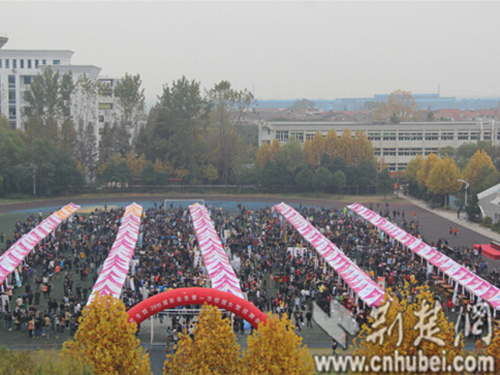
(33, 167)
(466, 187)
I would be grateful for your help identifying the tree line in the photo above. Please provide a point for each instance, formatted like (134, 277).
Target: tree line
(189, 136)
(327, 164)
(437, 176)
(58, 148)
(198, 137)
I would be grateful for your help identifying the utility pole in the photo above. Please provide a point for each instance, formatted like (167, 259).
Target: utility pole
(33, 167)
(397, 184)
(466, 187)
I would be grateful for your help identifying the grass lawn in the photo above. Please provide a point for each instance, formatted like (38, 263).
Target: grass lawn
(21, 338)
(7, 225)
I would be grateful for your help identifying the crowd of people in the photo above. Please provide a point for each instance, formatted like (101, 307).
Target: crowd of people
(273, 275)
(55, 262)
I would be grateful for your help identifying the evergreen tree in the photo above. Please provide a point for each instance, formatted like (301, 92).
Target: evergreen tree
(304, 178)
(322, 180)
(385, 182)
(339, 180)
(106, 143)
(131, 101)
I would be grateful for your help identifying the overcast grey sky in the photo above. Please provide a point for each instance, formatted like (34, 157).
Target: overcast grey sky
(284, 50)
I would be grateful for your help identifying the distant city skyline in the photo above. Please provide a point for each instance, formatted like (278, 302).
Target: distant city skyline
(425, 102)
(271, 102)
(279, 50)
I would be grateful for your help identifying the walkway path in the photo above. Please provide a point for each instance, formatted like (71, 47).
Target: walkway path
(434, 224)
(452, 216)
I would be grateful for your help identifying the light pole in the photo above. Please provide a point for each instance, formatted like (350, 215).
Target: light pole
(466, 187)
(33, 166)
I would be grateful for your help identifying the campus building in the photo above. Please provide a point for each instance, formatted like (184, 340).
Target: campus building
(489, 203)
(107, 108)
(18, 67)
(397, 144)
(3, 40)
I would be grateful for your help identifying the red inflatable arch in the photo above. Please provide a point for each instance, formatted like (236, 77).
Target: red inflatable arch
(196, 296)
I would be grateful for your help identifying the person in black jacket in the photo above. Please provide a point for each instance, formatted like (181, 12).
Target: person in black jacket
(8, 320)
(334, 347)
(38, 326)
(309, 317)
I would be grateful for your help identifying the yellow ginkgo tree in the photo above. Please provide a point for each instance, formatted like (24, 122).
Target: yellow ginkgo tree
(275, 349)
(490, 349)
(214, 350)
(479, 160)
(409, 327)
(263, 155)
(309, 157)
(413, 167)
(444, 178)
(106, 339)
(424, 171)
(318, 147)
(332, 144)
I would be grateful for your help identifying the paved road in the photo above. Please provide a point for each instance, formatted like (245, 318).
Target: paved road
(435, 224)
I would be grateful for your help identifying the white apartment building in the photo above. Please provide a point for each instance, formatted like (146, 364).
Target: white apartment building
(398, 144)
(3, 40)
(17, 68)
(108, 110)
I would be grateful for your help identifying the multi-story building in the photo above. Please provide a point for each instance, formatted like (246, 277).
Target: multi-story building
(3, 40)
(398, 144)
(108, 110)
(17, 68)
